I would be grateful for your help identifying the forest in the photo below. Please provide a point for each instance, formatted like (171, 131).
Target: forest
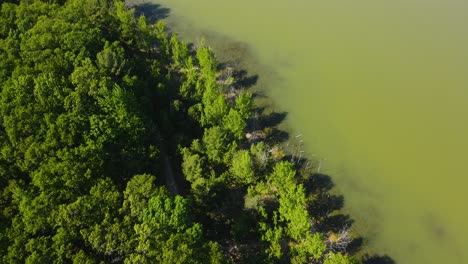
(119, 143)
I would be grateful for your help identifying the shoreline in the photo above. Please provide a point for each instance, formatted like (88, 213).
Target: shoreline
(230, 51)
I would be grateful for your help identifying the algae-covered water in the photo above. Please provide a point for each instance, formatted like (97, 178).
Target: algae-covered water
(379, 91)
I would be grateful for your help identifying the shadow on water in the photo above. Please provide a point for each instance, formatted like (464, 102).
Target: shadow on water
(272, 119)
(325, 206)
(243, 80)
(319, 181)
(378, 260)
(325, 209)
(152, 12)
(263, 120)
(268, 124)
(277, 136)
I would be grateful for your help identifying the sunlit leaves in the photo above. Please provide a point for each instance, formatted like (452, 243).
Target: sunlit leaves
(207, 61)
(338, 258)
(308, 249)
(234, 122)
(111, 60)
(242, 167)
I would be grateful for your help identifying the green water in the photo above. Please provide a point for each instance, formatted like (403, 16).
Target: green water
(379, 91)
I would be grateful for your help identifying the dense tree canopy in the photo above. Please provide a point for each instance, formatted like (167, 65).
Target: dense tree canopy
(98, 111)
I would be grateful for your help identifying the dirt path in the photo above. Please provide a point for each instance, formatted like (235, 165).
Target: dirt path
(169, 174)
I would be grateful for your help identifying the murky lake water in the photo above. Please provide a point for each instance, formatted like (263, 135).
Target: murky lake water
(379, 91)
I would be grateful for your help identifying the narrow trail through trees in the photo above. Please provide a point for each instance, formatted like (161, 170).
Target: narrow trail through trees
(169, 174)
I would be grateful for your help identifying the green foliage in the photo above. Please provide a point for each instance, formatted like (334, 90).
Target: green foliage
(125, 21)
(312, 247)
(292, 203)
(192, 166)
(161, 35)
(242, 167)
(166, 235)
(206, 60)
(243, 105)
(179, 50)
(283, 175)
(338, 258)
(215, 141)
(111, 60)
(260, 155)
(188, 89)
(291, 221)
(215, 108)
(234, 122)
(75, 126)
(271, 234)
(139, 190)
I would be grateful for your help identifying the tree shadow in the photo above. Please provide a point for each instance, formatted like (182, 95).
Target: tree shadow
(152, 12)
(318, 182)
(355, 246)
(324, 207)
(247, 81)
(323, 203)
(277, 136)
(258, 94)
(266, 125)
(243, 80)
(271, 120)
(375, 259)
(327, 203)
